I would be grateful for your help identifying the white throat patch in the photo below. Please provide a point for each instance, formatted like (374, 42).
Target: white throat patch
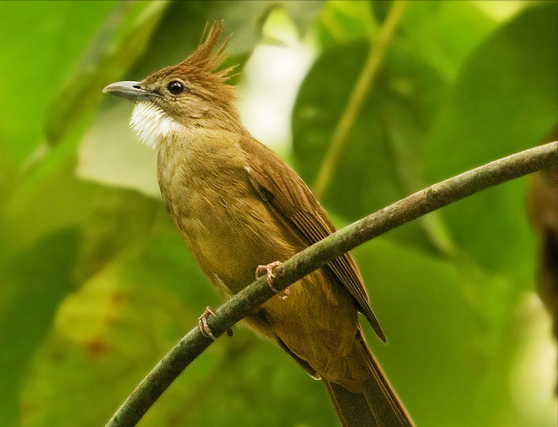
(151, 124)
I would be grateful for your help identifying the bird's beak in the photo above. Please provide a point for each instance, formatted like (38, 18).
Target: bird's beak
(128, 90)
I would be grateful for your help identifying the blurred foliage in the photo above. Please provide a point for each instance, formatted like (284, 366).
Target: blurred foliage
(96, 285)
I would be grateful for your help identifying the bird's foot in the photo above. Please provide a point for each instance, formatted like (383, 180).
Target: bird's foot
(204, 327)
(268, 269)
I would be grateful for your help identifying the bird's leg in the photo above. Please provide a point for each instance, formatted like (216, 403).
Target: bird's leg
(268, 269)
(204, 327)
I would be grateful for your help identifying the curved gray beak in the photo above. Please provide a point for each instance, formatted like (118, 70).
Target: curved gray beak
(128, 90)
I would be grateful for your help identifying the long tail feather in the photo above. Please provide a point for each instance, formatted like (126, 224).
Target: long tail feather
(376, 406)
(352, 409)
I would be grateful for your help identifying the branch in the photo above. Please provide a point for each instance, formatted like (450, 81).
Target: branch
(317, 255)
(360, 90)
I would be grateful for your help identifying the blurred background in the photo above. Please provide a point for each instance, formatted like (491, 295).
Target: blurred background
(96, 285)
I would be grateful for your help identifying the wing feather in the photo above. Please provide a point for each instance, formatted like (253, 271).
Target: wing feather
(293, 202)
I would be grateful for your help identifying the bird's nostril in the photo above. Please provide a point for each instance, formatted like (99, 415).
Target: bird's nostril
(136, 86)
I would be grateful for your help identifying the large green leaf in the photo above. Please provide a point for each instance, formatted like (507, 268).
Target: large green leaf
(378, 163)
(449, 345)
(46, 201)
(505, 100)
(32, 288)
(118, 219)
(40, 44)
(444, 33)
(109, 332)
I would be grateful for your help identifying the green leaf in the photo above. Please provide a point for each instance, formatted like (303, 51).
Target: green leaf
(444, 33)
(37, 54)
(446, 326)
(377, 165)
(344, 22)
(48, 200)
(32, 288)
(109, 333)
(505, 100)
(118, 219)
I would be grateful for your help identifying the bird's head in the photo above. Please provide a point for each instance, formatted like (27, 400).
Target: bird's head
(191, 94)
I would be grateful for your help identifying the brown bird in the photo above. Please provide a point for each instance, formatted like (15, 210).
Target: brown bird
(240, 209)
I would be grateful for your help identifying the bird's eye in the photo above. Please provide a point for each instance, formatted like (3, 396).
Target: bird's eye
(175, 87)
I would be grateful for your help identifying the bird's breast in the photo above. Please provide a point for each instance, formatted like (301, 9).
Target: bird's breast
(229, 229)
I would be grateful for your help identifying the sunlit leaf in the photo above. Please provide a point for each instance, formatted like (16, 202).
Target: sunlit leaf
(444, 33)
(343, 22)
(41, 42)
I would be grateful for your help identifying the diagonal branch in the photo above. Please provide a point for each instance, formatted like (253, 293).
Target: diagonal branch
(315, 256)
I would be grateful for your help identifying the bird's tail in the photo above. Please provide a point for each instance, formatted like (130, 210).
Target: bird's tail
(376, 406)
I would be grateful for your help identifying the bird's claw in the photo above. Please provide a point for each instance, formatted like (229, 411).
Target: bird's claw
(204, 327)
(202, 323)
(268, 270)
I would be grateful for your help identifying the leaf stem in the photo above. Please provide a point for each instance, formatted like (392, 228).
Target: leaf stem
(360, 91)
(317, 255)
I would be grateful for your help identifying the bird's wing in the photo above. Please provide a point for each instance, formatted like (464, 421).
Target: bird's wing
(295, 205)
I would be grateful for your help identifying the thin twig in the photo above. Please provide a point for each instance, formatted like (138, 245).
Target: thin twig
(315, 256)
(358, 94)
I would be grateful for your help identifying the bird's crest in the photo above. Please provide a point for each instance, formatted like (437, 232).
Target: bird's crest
(200, 71)
(206, 59)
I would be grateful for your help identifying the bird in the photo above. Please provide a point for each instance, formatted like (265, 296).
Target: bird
(242, 210)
